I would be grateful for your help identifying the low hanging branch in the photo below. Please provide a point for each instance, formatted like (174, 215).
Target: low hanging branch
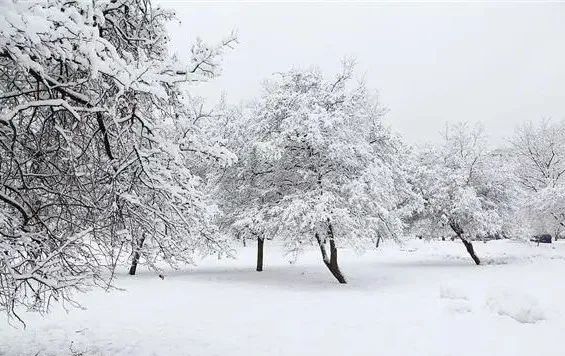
(68, 81)
(6, 199)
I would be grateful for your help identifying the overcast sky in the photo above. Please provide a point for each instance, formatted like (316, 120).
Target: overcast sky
(498, 63)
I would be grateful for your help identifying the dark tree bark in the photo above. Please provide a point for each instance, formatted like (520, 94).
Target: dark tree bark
(468, 244)
(471, 250)
(378, 242)
(136, 256)
(260, 243)
(331, 262)
(333, 266)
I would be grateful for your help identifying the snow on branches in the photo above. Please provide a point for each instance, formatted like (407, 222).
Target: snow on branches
(539, 157)
(95, 145)
(464, 189)
(317, 165)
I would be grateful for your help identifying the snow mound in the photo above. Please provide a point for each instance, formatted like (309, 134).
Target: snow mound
(521, 307)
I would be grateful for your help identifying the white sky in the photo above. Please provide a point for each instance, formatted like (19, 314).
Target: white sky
(499, 63)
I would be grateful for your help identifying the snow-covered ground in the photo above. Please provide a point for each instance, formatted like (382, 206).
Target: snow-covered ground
(418, 299)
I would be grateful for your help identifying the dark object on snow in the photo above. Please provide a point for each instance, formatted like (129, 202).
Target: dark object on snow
(544, 239)
(260, 243)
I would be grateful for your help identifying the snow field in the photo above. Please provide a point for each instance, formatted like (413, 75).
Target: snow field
(423, 298)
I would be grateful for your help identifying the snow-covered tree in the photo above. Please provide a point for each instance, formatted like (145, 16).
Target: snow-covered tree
(316, 165)
(190, 152)
(464, 189)
(93, 145)
(539, 155)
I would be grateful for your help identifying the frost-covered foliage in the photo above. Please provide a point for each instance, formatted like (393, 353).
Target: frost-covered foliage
(465, 188)
(96, 145)
(539, 156)
(317, 165)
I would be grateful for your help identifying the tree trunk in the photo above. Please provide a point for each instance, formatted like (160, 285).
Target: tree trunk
(331, 262)
(334, 267)
(468, 245)
(471, 250)
(260, 243)
(136, 256)
(378, 242)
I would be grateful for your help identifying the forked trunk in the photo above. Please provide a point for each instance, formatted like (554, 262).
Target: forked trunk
(333, 266)
(260, 243)
(331, 262)
(136, 256)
